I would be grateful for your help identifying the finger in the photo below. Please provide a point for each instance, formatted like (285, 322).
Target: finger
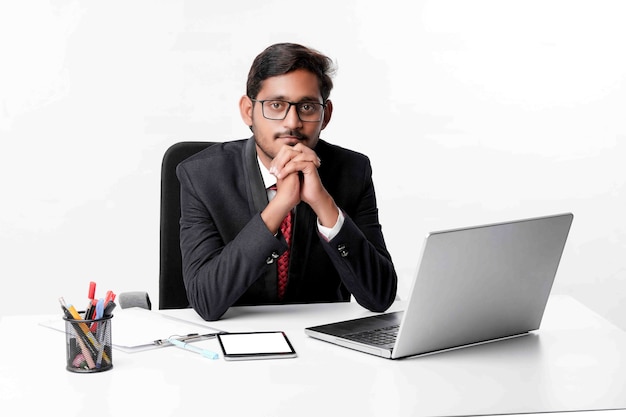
(296, 166)
(308, 154)
(288, 190)
(285, 154)
(304, 155)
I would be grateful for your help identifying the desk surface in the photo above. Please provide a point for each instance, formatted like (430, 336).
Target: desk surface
(577, 361)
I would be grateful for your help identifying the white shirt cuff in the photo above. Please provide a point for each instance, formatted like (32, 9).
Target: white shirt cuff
(330, 232)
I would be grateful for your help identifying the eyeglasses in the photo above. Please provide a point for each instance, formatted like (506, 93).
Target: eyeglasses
(308, 111)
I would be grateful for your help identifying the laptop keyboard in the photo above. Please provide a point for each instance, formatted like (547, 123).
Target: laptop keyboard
(380, 337)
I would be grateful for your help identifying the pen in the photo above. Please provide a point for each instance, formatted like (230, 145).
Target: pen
(99, 309)
(92, 291)
(108, 308)
(86, 353)
(96, 314)
(191, 336)
(100, 333)
(109, 298)
(204, 352)
(91, 295)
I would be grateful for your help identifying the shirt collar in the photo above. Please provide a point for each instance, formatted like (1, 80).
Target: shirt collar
(268, 179)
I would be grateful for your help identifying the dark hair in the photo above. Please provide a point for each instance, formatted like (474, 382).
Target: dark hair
(281, 58)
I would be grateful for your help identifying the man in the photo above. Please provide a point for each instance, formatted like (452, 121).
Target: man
(231, 239)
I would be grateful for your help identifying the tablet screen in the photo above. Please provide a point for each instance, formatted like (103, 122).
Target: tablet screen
(255, 345)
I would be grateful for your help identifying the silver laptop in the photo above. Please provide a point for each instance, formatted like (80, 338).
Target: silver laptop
(473, 285)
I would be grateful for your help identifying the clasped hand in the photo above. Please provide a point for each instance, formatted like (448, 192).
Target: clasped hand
(297, 179)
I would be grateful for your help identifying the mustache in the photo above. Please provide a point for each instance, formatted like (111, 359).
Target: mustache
(293, 133)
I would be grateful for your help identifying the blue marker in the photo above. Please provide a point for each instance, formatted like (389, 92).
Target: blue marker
(100, 309)
(204, 352)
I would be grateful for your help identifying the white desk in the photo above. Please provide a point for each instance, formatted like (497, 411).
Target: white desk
(577, 361)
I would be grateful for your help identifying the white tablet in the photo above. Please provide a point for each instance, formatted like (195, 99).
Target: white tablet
(255, 345)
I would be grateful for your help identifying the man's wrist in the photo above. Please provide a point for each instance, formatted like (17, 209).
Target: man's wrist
(330, 232)
(327, 211)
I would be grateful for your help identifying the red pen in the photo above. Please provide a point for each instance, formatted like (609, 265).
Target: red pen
(92, 290)
(91, 307)
(110, 296)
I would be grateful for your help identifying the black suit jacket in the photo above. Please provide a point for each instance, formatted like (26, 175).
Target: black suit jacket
(228, 253)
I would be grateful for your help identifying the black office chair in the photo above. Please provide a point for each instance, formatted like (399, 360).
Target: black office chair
(172, 292)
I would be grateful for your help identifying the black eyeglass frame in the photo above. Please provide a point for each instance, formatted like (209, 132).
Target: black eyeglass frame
(291, 103)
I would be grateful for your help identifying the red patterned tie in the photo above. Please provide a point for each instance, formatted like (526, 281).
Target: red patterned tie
(282, 262)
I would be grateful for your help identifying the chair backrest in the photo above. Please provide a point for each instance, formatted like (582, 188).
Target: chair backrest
(172, 292)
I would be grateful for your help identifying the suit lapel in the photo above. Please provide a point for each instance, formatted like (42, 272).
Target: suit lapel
(256, 191)
(257, 198)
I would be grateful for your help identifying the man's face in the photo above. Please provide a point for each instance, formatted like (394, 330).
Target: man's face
(296, 86)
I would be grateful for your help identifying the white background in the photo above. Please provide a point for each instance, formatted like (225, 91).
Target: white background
(471, 111)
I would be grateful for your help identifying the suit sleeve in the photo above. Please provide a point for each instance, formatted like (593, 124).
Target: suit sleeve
(217, 274)
(360, 255)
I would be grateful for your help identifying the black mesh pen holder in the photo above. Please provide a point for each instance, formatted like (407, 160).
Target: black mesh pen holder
(88, 345)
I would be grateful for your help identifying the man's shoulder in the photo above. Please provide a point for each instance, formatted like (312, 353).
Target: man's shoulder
(338, 153)
(216, 152)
